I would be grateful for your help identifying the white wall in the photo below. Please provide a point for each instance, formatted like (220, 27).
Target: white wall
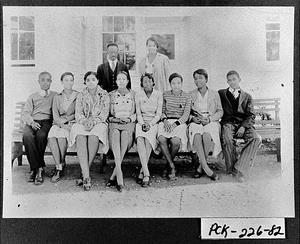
(235, 39)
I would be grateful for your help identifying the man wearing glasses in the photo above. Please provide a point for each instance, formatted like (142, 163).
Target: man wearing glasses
(108, 71)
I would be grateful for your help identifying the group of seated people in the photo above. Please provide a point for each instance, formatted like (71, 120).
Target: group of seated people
(94, 120)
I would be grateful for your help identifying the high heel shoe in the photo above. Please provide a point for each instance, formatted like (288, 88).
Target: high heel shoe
(139, 178)
(79, 182)
(198, 174)
(120, 188)
(87, 184)
(146, 181)
(111, 183)
(172, 175)
(214, 176)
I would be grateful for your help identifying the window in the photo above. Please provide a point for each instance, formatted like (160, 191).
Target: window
(22, 40)
(121, 30)
(272, 41)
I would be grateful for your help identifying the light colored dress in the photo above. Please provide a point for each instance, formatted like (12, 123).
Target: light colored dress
(97, 110)
(122, 107)
(160, 70)
(148, 110)
(176, 108)
(200, 105)
(63, 108)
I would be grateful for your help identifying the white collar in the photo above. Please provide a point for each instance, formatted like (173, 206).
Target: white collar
(43, 92)
(115, 61)
(234, 90)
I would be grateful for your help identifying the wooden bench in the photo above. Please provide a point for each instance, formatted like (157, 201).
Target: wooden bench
(267, 128)
(269, 124)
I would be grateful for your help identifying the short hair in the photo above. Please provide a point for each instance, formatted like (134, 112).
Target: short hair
(201, 72)
(146, 75)
(90, 73)
(65, 74)
(174, 75)
(153, 39)
(45, 73)
(127, 76)
(112, 44)
(233, 72)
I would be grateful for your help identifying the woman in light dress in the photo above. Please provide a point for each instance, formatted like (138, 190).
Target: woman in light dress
(148, 109)
(121, 126)
(204, 129)
(156, 64)
(63, 111)
(90, 130)
(172, 130)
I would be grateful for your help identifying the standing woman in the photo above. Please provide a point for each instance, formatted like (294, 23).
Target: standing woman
(204, 130)
(121, 127)
(148, 109)
(63, 110)
(90, 130)
(156, 64)
(172, 130)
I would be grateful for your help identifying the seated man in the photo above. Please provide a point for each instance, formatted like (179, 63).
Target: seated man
(37, 117)
(237, 122)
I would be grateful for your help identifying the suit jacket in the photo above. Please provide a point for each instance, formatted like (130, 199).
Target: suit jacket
(244, 116)
(214, 105)
(103, 75)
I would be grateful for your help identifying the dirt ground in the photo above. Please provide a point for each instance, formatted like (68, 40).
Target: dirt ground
(185, 197)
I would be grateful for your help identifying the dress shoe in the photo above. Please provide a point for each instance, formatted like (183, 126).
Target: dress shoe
(198, 174)
(39, 178)
(111, 183)
(32, 176)
(238, 176)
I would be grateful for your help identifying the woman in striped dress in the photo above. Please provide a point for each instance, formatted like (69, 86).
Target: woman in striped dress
(172, 130)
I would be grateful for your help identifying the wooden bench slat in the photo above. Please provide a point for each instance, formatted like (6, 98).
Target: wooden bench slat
(266, 109)
(275, 122)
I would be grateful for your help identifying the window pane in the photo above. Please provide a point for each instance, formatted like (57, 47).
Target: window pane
(26, 45)
(14, 22)
(14, 46)
(119, 39)
(130, 61)
(107, 24)
(129, 24)
(104, 57)
(121, 57)
(26, 23)
(107, 38)
(273, 26)
(272, 45)
(129, 42)
(118, 24)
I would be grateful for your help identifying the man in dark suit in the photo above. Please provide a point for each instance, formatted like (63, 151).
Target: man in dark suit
(108, 71)
(237, 122)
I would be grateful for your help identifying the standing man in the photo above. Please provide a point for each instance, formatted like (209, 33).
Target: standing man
(237, 122)
(108, 71)
(37, 117)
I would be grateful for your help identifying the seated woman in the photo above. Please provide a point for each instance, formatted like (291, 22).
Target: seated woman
(63, 110)
(172, 130)
(148, 110)
(204, 129)
(121, 127)
(90, 130)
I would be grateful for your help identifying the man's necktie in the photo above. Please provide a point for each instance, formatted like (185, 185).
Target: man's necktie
(46, 93)
(113, 66)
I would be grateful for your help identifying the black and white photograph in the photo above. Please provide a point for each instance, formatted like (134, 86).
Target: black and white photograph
(159, 112)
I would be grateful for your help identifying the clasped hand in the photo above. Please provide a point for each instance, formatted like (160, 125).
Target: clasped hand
(122, 120)
(88, 125)
(169, 127)
(200, 120)
(240, 132)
